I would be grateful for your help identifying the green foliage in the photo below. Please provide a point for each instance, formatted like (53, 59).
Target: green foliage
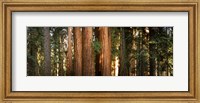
(96, 46)
(34, 47)
(158, 36)
(115, 42)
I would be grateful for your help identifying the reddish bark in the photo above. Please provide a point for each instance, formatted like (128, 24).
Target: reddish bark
(105, 53)
(87, 58)
(77, 51)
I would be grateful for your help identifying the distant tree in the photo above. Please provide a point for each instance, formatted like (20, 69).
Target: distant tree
(47, 53)
(61, 35)
(152, 50)
(31, 52)
(133, 48)
(123, 71)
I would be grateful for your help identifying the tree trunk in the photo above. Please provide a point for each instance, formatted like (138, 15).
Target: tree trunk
(143, 59)
(88, 65)
(133, 60)
(32, 61)
(123, 68)
(110, 49)
(69, 52)
(105, 53)
(47, 52)
(152, 58)
(78, 51)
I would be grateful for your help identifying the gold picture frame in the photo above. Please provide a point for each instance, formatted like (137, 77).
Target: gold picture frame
(9, 6)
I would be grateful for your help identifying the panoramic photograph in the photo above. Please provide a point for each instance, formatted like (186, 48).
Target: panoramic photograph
(99, 51)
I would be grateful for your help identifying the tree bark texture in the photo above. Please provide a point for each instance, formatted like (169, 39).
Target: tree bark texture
(105, 53)
(69, 52)
(47, 52)
(78, 51)
(87, 58)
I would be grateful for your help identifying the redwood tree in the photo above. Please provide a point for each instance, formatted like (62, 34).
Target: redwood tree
(123, 71)
(105, 54)
(77, 51)
(69, 52)
(87, 58)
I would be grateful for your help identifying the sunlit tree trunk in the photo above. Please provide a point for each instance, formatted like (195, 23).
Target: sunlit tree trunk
(140, 71)
(105, 53)
(146, 49)
(132, 56)
(69, 52)
(78, 51)
(87, 58)
(47, 52)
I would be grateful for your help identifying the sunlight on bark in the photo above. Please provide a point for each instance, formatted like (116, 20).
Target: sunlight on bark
(116, 66)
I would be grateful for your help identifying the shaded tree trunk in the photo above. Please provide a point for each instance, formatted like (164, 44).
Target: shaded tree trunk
(69, 52)
(109, 49)
(78, 51)
(152, 59)
(123, 69)
(133, 60)
(105, 53)
(87, 59)
(47, 52)
(32, 61)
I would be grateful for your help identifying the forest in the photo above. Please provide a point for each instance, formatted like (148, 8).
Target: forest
(99, 51)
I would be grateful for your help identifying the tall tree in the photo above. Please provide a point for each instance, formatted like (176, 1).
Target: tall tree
(31, 52)
(105, 54)
(56, 52)
(61, 51)
(152, 57)
(145, 46)
(133, 60)
(78, 51)
(87, 58)
(69, 52)
(143, 52)
(123, 71)
(139, 53)
(110, 51)
(115, 45)
(47, 52)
